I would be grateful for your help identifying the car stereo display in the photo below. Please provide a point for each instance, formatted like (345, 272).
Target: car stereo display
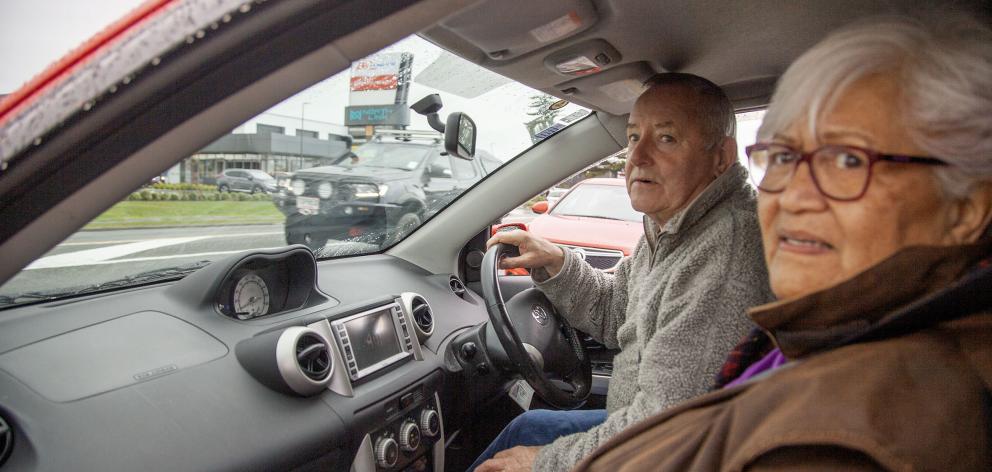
(371, 340)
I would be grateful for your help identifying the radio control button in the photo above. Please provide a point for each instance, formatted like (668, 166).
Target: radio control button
(386, 452)
(430, 423)
(409, 436)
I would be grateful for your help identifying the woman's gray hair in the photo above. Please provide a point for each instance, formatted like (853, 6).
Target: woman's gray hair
(944, 70)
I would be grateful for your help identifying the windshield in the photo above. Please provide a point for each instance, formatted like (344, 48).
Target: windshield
(260, 175)
(597, 201)
(343, 167)
(388, 156)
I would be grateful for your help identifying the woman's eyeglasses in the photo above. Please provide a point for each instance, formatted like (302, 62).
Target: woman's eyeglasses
(839, 172)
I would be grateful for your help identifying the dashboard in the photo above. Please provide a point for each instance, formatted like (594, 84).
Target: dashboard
(261, 361)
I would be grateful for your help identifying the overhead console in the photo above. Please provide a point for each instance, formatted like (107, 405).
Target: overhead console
(544, 23)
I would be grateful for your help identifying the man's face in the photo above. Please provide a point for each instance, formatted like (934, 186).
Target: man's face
(668, 164)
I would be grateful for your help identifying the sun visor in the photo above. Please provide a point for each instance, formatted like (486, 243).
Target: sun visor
(750, 94)
(613, 90)
(505, 29)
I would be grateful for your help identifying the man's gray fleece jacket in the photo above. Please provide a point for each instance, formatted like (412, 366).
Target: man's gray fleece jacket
(675, 308)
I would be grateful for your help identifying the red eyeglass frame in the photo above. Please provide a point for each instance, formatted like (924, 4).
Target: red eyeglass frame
(807, 157)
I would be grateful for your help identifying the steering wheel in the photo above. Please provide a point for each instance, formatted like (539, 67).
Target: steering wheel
(537, 342)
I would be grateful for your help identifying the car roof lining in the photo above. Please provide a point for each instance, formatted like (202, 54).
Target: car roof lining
(712, 38)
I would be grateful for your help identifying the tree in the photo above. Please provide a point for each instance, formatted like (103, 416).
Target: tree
(543, 116)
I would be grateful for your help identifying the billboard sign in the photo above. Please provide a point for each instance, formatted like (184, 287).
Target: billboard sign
(393, 114)
(380, 79)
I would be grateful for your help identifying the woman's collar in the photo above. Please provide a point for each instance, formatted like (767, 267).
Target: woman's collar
(816, 321)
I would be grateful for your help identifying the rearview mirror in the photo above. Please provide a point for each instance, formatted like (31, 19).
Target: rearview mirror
(459, 136)
(540, 208)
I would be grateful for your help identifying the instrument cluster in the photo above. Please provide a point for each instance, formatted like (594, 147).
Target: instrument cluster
(262, 286)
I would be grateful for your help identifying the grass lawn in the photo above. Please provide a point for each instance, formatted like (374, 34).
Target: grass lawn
(137, 214)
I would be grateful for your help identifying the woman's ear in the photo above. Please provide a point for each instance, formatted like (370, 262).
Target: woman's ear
(726, 155)
(974, 213)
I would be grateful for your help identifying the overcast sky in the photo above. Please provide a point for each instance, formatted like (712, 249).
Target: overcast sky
(35, 33)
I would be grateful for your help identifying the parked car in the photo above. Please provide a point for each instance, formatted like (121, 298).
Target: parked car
(594, 218)
(245, 180)
(395, 182)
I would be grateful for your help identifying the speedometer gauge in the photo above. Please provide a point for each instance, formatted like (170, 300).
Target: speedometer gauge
(251, 297)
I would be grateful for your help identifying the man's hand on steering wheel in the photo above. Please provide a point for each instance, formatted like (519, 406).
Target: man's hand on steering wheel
(535, 251)
(527, 333)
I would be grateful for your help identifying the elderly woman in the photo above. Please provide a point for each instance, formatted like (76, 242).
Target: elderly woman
(874, 167)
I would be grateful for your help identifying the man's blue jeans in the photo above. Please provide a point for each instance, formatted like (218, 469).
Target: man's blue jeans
(540, 427)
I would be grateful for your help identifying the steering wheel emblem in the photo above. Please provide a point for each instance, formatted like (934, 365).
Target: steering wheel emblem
(540, 314)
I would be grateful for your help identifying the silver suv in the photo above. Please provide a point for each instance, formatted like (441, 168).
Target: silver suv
(245, 180)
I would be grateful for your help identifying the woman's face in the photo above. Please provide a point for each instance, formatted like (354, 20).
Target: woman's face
(812, 242)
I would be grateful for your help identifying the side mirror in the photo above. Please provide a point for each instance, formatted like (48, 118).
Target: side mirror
(251, 177)
(540, 207)
(459, 136)
(507, 227)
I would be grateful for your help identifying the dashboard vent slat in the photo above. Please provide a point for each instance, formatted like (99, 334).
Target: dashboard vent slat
(457, 287)
(423, 317)
(6, 440)
(313, 356)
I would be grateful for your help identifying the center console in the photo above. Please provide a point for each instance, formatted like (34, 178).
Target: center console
(412, 439)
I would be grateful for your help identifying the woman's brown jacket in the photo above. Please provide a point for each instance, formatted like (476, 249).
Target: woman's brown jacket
(892, 370)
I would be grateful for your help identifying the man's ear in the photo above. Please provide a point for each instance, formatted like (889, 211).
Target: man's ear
(726, 155)
(973, 215)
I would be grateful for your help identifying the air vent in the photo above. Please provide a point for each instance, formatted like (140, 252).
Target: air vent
(303, 357)
(314, 357)
(422, 317)
(6, 440)
(457, 286)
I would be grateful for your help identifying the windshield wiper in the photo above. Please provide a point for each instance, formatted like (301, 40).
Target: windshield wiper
(25, 297)
(154, 275)
(592, 216)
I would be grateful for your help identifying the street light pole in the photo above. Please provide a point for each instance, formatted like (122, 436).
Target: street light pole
(299, 133)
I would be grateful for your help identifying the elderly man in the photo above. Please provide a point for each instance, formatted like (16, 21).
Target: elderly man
(675, 307)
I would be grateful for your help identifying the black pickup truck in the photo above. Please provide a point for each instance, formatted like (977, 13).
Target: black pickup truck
(391, 185)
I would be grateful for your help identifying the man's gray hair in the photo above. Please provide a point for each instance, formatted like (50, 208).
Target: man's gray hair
(943, 69)
(715, 112)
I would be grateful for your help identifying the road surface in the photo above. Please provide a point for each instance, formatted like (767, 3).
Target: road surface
(92, 257)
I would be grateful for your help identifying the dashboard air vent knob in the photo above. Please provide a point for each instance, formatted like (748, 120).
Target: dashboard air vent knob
(6, 440)
(457, 287)
(314, 357)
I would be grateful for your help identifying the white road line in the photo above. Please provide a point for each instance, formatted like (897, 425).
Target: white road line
(122, 241)
(175, 256)
(93, 256)
(95, 243)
